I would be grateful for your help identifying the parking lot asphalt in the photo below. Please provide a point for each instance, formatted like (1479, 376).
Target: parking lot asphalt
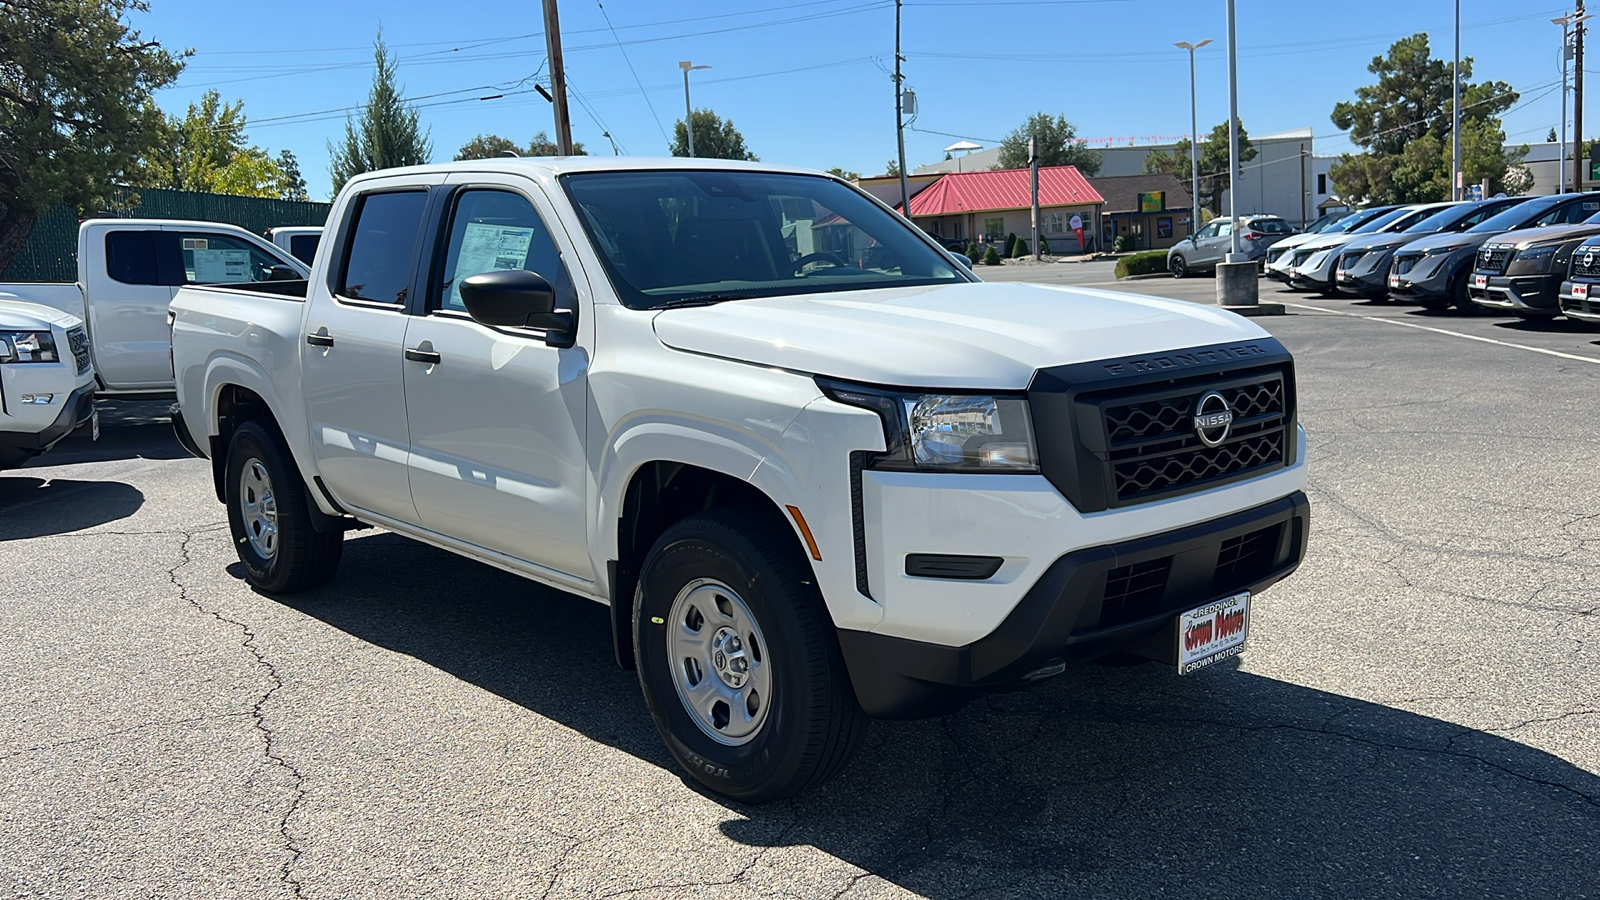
(1417, 713)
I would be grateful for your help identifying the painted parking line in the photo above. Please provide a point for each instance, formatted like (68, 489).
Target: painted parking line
(1446, 331)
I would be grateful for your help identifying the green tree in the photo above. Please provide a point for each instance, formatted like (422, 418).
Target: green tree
(389, 132)
(846, 174)
(1214, 169)
(892, 168)
(206, 150)
(492, 146)
(76, 111)
(1402, 124)
(293, 184)
(1056, 141)
(714, 138)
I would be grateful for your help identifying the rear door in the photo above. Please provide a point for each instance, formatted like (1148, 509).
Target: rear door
(351, 355)
(497, 416)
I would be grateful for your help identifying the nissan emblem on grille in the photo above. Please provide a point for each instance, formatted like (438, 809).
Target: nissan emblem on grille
(1212, 419)
(1588, 260)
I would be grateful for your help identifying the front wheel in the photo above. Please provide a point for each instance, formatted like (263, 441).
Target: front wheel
(280, 549)
(738, 659)
(1178, 267)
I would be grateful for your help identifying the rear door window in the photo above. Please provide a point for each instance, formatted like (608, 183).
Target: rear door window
(304, 246)
(382, 248)
(131, 257)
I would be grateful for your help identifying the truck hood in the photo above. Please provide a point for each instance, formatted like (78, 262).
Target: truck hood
(984, 336)
(17, 314)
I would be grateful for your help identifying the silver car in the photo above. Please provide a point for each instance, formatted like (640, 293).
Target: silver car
(1211, 244)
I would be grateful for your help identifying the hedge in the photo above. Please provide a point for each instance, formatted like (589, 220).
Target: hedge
(1148, 262)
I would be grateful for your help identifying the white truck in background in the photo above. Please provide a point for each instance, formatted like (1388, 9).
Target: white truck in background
(46, 379)
(299, 241)
(128, 270)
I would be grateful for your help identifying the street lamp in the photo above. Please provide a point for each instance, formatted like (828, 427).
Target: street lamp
(1194, 138)
(1566, 23)
(688, 111)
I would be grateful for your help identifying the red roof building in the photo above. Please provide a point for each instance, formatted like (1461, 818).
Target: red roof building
(993, 204)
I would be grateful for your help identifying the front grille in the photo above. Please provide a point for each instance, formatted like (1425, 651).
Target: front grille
(78, 340)
(1134, 592)
(1589, 269)
(1347, 261)
(1405, 262)
(1493, 259)
(1300, 256)
(1275, 253)
(1156, 450)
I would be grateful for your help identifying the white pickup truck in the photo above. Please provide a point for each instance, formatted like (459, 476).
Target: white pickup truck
(819, 471)
(128, 270)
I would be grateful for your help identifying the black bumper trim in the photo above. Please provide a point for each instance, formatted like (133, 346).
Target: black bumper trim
(19, 446)
(1060, 616)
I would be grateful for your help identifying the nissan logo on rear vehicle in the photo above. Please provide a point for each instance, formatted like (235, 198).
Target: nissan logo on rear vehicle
(1588, 258)
(1212, 419)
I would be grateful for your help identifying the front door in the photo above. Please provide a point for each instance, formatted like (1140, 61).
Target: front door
(497, 415)
(351, 352)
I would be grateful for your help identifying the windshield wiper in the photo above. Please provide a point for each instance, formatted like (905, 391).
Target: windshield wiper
(698, 300)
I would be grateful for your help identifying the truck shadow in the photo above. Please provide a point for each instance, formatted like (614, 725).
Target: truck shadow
(34, 507)
(129, 429)
(1113, 782)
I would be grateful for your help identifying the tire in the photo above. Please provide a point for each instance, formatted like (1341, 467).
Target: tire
(1178, 266)
(1462, 302)
(737, 560)
(280, 550)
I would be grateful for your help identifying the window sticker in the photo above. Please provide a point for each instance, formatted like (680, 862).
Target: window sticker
(221, 266)
(488, 248)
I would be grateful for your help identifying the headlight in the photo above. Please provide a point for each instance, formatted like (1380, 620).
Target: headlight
(947, 432)
(1536, 259)
(27, 347)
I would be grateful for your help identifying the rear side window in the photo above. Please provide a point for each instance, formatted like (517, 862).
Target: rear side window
(383, 241)
(222, 259)
(1271, 226)
(131, 257)
(304, 246)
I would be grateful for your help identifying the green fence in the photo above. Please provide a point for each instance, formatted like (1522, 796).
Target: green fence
(51, 251)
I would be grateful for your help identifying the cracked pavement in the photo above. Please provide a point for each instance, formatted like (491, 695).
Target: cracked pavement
(1417, 714)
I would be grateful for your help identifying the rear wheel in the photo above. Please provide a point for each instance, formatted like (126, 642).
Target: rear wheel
(738, 659)
(267, 513)
(1178, 266)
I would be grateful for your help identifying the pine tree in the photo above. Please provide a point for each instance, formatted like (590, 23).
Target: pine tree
(389, 133)
(292, 185)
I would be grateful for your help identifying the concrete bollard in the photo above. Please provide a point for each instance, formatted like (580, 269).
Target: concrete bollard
(1238, 290)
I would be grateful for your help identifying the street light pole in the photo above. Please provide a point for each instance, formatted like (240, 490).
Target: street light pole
(1233, 134)
(1194, 138)
(1455, 114)
(688, 111)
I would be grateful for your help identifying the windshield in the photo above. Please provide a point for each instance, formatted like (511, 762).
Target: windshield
(692, 236)
(1516, 216)
(1351, 222)
(1383, 221)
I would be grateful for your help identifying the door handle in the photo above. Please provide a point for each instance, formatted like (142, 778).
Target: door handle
(423, 356)
(321, 339)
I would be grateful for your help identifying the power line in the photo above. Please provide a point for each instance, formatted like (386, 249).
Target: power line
(635, 72)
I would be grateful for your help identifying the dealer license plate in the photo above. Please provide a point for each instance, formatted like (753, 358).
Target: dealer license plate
(1342, 275)
(1213, 632)
(1394, 281)
(1581, 291)
(1480, 281)
(94, 424)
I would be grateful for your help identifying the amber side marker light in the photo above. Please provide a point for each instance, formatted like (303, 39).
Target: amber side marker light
(805, 531)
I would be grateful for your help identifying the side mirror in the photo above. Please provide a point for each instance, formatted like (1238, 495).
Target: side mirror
(962, 258)
(281, 272)
(517, 298)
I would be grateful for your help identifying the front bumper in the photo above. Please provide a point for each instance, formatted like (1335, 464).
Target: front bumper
(1367, 276)
(1087, 603)
(17, 447)
(1524, 295)
(1581, 309)
(1316, 273)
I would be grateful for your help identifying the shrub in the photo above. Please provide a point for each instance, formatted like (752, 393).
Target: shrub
(971, 251)
(1009, 250)
(1044, 246)
(991, 257)
(1147, 262)
(1019, 249)
(1124, 243)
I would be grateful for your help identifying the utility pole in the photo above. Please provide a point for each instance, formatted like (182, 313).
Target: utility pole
(899, 116)
(1033, 181)
(1578, 152)
(1456, 182)
(558, 79)
(1194, 139)
(1233, 136)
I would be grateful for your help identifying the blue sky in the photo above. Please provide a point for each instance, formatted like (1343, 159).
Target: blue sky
(807, 82)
